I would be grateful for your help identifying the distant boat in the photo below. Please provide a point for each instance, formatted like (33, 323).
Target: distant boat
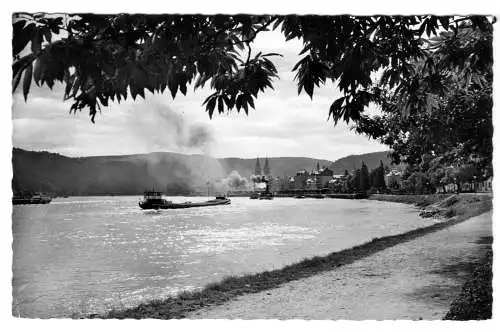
(37, 198)
(266, 195)
(153, 200)
(254, 196)
(311, 196)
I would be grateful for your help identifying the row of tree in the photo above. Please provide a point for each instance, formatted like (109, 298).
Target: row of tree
(364, 180)
(412, 180)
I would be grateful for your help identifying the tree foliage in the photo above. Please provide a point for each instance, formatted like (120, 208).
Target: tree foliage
(451, 124)
(103, 58)
(377, 179)
(364, 178)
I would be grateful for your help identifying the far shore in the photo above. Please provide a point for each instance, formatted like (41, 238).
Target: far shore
(452, 209)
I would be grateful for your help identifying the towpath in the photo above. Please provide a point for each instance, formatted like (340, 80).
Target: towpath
(414, 280)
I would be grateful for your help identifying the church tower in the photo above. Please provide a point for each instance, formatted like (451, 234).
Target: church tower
(258, 170)
(267, 169)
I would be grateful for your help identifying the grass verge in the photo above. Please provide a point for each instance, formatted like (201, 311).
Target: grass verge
(418, 200)
(476, 299)
(231, 287)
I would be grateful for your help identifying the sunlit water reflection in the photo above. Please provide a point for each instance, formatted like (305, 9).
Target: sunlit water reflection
(91, 254)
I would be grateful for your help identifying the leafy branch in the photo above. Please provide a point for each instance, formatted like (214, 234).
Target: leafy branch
(109, 57)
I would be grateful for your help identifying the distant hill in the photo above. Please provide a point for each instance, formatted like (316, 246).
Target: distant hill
(372, 160)
(166, 171)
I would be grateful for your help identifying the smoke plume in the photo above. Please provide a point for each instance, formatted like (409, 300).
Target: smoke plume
(159, 128)
(155, 126)
(235, 181)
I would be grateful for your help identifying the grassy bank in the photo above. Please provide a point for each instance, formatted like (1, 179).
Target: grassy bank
(476, 299)
(418, 200)
(231, 287)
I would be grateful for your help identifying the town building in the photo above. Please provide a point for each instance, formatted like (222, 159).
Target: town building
(338, 183)
(323, 176)
(300, 179)
(393, 177)
(485, 186)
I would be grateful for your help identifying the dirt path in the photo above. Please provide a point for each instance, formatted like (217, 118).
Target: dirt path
(414, 280)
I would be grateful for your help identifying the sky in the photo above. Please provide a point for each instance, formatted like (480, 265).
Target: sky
(283, 123)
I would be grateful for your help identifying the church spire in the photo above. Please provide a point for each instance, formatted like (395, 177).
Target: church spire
(267, 169)
(258, 170)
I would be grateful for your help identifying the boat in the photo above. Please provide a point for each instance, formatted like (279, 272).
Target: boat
(266, 195)
(300, 196)
(153, 200)
(36, 198)
(254, 196)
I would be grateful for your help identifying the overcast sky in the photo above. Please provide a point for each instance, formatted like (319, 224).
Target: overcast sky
(283, 123)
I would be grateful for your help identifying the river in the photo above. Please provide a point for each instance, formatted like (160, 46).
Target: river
(82, 255)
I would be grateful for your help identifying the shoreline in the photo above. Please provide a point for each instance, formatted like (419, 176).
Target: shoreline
(231, 287)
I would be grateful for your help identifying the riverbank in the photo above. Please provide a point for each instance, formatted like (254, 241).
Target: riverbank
(232, 287)
(417, 200)
(417, 280)
(476, 298)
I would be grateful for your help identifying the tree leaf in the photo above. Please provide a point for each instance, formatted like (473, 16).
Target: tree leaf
(47, 34)
(220, 104)
(183, 86)
(244, 103)
(36, 42)
(250, 101)
(272, 54)
(445, 21)
(37, 72)
(69, 86)
(211, 106)
(173, 85)
(16, 80)
(27, 80)
(335, 109)
(239, 102)
(21, 37)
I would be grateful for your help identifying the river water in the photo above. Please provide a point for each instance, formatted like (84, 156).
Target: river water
(83, 255)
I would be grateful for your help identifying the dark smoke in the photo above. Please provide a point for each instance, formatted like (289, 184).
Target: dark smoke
(160, 128)
(186, 135)
(157, 127)
(199, 136)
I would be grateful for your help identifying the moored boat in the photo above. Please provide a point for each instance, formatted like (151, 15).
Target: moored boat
(153, 200)
(254, 196)
(266, 195)
(37, 198)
